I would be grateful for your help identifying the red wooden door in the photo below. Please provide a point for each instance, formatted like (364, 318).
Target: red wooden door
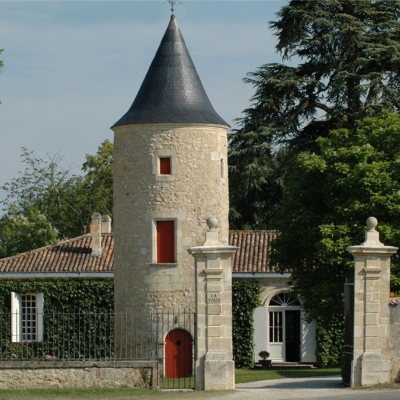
(178, 354)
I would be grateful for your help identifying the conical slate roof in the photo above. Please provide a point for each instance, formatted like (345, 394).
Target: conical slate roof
(172, 90)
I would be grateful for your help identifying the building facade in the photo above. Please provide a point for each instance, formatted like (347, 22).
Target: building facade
(72, 260)
(170, 175)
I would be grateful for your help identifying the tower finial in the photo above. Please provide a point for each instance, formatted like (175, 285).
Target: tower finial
(172, 2)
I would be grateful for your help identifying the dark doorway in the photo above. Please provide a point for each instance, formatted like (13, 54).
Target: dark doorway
(292, 336)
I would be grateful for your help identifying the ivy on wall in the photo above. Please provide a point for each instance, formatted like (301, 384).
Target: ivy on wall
(78, 320)
(330, 341)
(91, 294)
(245, 298)
(86, 294)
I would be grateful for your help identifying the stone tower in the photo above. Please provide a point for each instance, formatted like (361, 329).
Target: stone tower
(170, 174)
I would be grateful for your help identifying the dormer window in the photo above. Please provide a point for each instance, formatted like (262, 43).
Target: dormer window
(165, 165)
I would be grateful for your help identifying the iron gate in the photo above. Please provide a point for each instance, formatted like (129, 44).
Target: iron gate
(177, 349)
(349, 329)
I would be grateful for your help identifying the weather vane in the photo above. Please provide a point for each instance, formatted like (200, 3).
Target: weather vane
(172, 2)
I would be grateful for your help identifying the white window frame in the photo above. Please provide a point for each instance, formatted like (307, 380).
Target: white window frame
(17, 315)
(283, 307)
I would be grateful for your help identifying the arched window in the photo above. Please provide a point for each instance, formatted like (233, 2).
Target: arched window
(284, 300)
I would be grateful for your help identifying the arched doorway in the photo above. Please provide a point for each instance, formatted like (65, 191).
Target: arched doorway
(178, 354)
(284, 328)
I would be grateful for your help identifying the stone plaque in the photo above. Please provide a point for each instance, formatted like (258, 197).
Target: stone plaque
(213, 298)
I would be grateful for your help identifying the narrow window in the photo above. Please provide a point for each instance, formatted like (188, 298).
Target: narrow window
(29, 314)
(165, 242)
(275, 327)
(222, 167)
(165, 166)
(26, 317)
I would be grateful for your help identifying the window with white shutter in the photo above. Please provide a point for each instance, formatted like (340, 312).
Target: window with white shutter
(27, 317)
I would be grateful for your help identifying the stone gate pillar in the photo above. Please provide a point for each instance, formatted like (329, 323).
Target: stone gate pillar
(371, 362)
(215, 368)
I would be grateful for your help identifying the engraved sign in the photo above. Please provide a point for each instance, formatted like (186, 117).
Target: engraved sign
(213, 298)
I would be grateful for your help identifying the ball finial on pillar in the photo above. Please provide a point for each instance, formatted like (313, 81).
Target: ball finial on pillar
(372, 223)
(372, 236)
(212, 223)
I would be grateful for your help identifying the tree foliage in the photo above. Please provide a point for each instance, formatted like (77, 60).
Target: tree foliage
(329, 196)
(98, 179)
(67, 200)
(349, 53)
(24, 232)
(256, 186)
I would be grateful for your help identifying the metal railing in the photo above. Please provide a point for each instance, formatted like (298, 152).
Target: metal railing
(167, 336)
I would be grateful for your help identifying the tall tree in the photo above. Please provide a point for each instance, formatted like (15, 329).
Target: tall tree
(349, 70)
(23, 232)
(98, 179)
(354, 175)
(66, 200)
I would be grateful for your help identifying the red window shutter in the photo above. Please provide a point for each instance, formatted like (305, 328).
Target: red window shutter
(165, 166)
(165, 242)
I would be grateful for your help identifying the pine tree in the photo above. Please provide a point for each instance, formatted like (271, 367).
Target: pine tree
(349, 70)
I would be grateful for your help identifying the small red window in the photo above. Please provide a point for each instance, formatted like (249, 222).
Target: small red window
(165, 242)
(165, 166)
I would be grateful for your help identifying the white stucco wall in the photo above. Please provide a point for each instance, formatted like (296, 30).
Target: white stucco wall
(260, 331)
(308, 340)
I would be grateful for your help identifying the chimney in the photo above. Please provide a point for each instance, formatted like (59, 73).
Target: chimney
(105, 224)
(96, 234)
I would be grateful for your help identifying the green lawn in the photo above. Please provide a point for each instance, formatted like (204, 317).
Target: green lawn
(253, 375)
(104, 394)
(242, 376)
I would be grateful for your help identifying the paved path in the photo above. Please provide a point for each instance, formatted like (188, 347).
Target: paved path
(326, 388)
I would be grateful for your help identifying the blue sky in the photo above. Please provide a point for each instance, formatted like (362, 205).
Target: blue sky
(73, 68)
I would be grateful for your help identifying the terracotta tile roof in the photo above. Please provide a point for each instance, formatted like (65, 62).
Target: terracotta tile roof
(74, 255)
(253, 250)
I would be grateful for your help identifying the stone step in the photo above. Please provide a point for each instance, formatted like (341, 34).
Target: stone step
(283, 365)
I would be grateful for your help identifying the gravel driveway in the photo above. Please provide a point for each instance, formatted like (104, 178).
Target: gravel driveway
(328, 387)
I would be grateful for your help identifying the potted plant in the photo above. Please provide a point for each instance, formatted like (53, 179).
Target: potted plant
(264, 355)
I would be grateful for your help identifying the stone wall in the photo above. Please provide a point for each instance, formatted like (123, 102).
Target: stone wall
(196, 189)
(394, 342)
(80, 374)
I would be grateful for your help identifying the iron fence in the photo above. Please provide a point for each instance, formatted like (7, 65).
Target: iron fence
(104, 335)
